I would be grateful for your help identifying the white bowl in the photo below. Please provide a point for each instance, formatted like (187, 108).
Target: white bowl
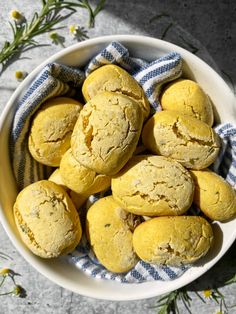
(58, 270)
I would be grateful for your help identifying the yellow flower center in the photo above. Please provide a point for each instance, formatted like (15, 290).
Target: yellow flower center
(4, 271)
(53, 35)
(19, 75)
(16, 15)
(17, 290)
(207, 293)
(72, 29)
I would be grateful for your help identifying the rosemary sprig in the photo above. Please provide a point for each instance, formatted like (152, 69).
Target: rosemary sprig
(42, 22)
(45, 21)
(169, 302)
(92, 13)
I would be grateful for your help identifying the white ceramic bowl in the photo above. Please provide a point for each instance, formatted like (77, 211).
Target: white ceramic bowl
(67, 275)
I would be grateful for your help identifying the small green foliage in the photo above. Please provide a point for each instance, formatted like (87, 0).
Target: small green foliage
(51, 14)
(92, 13)
(169, 303)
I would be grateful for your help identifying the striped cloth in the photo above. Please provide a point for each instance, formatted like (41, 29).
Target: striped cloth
(225, 164)
(57, 80)
(150, 75)
(54, 80)
(84, 258)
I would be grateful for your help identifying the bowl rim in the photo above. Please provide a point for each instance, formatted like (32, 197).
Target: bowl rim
(43, 269)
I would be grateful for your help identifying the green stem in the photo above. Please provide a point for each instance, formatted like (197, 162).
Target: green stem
(26, 36)
(6, 293)
(2, 282)
(33, 30)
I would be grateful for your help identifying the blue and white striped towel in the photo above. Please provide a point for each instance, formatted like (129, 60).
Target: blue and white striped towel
(53, 81)
(57, 80)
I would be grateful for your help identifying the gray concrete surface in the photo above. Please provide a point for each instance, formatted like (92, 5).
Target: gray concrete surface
(206, 27)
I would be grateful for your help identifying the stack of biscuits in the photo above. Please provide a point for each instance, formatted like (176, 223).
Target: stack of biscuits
(96, 147)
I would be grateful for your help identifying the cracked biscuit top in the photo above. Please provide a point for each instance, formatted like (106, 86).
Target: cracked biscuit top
(213, 195)
(51, 130)
(107, 132)
(109, 228)
(47, 219)
(173, 240)
(81, 179)
(187, 97)
(188, 140)
(112, 78)
(153, 186)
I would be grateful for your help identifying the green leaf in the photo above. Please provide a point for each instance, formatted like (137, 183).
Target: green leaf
(50, 15)
(163, 310)
(99, 7)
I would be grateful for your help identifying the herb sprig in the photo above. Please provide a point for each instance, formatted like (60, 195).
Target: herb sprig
(92, 13)
(169, 303)
(45, 21)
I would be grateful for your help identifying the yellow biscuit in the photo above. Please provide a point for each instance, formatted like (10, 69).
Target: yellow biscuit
(213, 195)
(173, 240)
(77, 199)
(187, 97)
(51, 130)
(110, 235)
(112, 78)
(107, 132)
(188, 140)
(153, 186)
(47, 219)
(81, 179)
(56, 178)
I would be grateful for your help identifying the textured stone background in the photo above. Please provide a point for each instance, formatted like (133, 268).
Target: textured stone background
(206, 27)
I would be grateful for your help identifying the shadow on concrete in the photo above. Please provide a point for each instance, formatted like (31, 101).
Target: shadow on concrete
(190, 24)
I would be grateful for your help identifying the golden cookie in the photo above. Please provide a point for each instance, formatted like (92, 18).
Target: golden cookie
(110, 235)
(213, 195)
(47, 219)
(112, 78)
(188, 140)
(80, 179)
(153, 186)
(51, 130)
(107, 132)
(187, 97)
(173, 240)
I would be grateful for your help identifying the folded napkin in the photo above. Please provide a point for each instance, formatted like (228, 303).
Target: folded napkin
(57, 80)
